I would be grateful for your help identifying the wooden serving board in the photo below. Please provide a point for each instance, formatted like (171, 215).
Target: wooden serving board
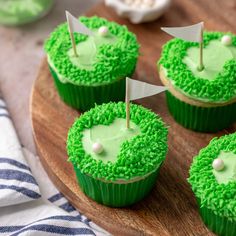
(170, 209)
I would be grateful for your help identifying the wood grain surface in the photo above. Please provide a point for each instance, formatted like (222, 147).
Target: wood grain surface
(170, 209)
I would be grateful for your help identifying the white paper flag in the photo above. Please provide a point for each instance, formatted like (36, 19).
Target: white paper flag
(138, 89)
(190, 33)
(77, 26)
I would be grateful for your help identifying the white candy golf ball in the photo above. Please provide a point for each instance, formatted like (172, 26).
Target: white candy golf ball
(218, 164)
(97, 148)
(226, 40)
(148, 3)
(128, 2)
(103, 31)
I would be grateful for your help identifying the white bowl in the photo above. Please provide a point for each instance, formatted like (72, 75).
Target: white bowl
(139, 14)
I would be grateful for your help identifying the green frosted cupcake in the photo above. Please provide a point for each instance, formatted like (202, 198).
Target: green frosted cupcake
(18, 12)
(201, 100)
(213, 181)
(98, 74)
(116, 166)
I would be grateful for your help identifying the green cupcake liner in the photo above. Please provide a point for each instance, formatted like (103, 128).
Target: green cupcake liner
(218, 224)
(116, 194)
(202, 119)
(85, 97)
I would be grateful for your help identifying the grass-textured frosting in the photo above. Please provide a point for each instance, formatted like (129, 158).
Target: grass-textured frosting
(220, 198)
(137, 157)
(113, 61)
(222, 88)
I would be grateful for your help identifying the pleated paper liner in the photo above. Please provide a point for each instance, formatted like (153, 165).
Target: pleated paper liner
(219, 225)
(85, 97)
(116, 194)
(202, 119)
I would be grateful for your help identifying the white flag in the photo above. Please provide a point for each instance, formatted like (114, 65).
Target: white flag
(76, 26)
(138, 89)
(192, 33)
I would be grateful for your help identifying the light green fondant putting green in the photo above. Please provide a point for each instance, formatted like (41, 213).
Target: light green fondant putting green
(114, 61)
(219, 197)
(14, 12)
(140, 155)
(215, 54)
(217, 83)
(229, 172)
(110, 136)
(87, 50)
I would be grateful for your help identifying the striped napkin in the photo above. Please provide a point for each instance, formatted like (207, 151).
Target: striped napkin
(17, 184)
(29, 202)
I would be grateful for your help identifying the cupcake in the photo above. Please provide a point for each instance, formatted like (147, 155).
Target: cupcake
(201, 100)
(20, 12)
(104, 60)
(213, 181)
(116, 166)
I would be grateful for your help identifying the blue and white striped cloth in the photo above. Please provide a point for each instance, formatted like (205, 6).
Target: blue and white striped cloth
(17, 184)
(29, 202)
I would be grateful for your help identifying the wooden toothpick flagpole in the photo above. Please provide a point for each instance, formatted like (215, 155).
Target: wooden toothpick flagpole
(201, 66)
(72, 37)
(127, 101)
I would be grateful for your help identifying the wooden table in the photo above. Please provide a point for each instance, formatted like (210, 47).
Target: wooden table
(170, 209)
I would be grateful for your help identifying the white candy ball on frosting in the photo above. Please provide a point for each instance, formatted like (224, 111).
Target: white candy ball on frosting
(226, 40)
(148, 3)
(128, 2)
(97, 148)
(137, 3)
(218, 164)
(103, 30)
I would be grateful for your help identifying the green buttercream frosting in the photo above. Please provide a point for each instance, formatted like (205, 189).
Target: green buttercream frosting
(88, 50)
(217, 82)
(115, 57)
(14, 12)
(219, 197)
(141, 153)
(228, 173)
(214, 57)
(110, 137)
